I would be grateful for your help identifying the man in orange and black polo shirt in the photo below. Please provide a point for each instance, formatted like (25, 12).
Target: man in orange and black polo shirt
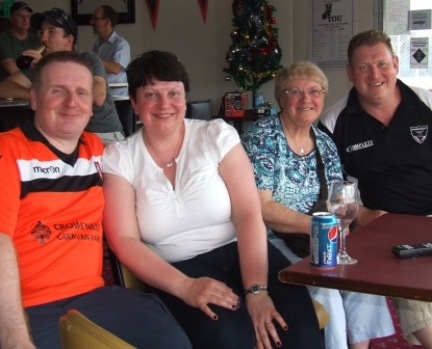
(51, 204)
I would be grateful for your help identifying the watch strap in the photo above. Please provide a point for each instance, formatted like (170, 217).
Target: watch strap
(255, 289)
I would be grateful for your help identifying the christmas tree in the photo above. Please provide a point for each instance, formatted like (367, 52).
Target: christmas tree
(254, 55)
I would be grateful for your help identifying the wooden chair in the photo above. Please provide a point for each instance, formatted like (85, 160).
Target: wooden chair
(124, 277)
(78, 332)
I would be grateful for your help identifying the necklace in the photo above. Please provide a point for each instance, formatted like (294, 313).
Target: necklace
(169, 163)
(302, 149)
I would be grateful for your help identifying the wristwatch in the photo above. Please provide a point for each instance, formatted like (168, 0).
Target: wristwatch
(255, 289)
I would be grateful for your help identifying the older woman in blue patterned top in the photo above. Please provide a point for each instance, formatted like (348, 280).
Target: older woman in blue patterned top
(294, 162)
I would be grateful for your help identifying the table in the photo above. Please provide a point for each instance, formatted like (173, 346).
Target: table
(13, 112)
(377, 271)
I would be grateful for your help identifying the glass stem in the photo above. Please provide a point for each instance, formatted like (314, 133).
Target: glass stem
(342, 248)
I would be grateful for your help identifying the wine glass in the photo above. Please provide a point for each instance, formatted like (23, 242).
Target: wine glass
(343, 202)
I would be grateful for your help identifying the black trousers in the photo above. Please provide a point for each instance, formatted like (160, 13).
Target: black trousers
(234, 329)
(140, 319)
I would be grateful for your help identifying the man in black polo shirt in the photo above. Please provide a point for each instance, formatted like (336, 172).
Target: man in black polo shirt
(381, 130)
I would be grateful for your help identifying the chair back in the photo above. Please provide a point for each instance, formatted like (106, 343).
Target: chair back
(78, 332)
(127, 115)
(122, 276)
(199, 110)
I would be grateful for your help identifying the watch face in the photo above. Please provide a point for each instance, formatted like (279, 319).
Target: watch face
(255, 289)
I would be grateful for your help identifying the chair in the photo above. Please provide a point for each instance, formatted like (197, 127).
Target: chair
(124, 277)
(199, 110)
(78, 332)
(126, 115)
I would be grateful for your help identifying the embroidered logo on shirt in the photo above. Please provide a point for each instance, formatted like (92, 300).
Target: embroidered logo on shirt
(359, 146)
(419, 133)
(41, 233)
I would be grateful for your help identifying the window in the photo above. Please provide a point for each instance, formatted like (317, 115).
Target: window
(402, 46)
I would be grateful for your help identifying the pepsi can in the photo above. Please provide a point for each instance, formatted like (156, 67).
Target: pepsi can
(323, 240)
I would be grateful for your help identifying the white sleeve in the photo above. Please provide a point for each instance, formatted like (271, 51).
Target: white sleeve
(424, 95)
(330, 115)
(116, 160)
(219, 138)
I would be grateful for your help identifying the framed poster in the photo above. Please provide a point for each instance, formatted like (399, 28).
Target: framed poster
(82, 10)
(332, 29)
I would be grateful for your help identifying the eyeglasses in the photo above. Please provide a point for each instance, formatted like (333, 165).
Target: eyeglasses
(94, 18)
(299, 93)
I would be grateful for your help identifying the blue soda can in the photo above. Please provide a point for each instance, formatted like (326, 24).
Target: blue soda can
(323, 240)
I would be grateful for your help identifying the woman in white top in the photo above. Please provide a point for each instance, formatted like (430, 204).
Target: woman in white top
(183, 213)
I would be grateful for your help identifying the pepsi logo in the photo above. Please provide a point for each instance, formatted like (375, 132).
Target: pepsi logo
(333, 233)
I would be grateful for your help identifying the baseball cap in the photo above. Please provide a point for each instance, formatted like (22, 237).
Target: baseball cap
(19, 5)
(58, 18)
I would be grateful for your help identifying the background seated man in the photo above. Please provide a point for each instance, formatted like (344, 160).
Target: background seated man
(17, 39)
(58, 32)
(51, 223)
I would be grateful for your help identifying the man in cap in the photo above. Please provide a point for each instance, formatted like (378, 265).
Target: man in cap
(58, 32)
(51, 223)
(17, 39)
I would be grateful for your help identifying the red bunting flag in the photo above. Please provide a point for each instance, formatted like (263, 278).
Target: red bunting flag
(153, 7)
(203, 4)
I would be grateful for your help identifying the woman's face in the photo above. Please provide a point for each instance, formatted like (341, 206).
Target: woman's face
(160, 106)
(302, 101)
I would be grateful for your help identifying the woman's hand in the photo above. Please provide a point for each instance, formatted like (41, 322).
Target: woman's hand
(201, 292)
(265, 318)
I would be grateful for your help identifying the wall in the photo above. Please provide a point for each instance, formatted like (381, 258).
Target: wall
(338, 82)
(202, 46)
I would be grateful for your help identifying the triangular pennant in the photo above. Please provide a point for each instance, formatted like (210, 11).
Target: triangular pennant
(153, 7)
(203, 4)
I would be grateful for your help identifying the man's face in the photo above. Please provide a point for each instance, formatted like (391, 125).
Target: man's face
(20, 19)
(373, 71)
(54, 38)
(63, 101)
(99, 21)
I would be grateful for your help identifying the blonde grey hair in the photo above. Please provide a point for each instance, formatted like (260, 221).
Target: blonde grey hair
(301, 69)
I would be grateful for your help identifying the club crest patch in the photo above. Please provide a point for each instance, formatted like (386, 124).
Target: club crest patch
(419, 133)
(41, 233)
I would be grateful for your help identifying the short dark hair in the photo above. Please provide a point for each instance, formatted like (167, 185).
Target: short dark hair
(54, 57)
(368, 38)
(155, 65)
(111, 14)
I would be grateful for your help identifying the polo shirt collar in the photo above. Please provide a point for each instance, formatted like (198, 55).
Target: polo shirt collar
(353, 104)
